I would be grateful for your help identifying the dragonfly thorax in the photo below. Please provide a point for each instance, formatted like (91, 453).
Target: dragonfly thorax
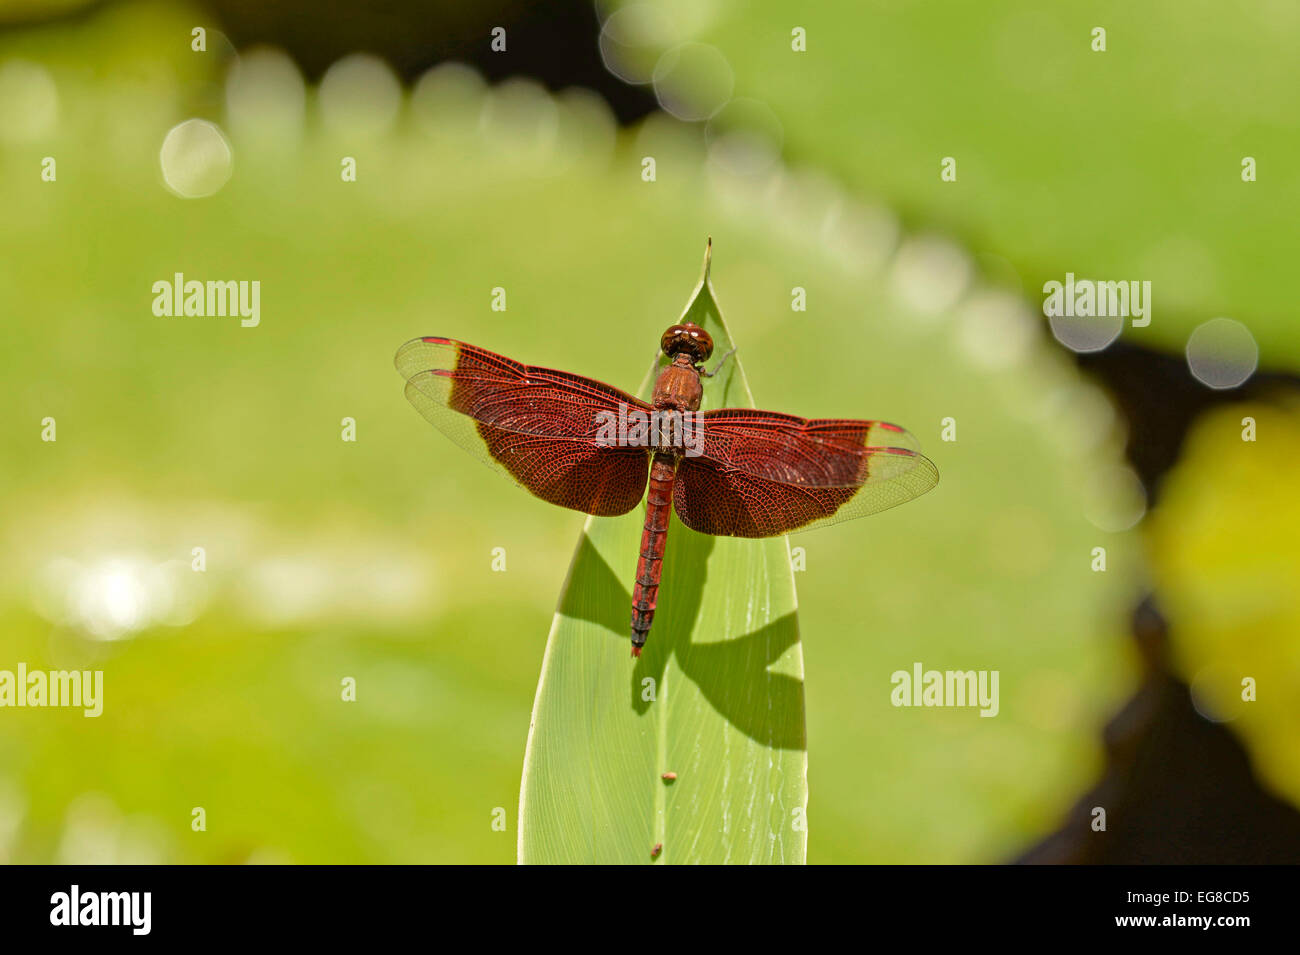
(678, 387)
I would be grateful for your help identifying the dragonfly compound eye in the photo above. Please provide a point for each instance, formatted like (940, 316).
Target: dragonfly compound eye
(690, 338)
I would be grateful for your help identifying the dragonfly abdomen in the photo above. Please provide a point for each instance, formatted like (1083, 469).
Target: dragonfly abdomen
(649, 565)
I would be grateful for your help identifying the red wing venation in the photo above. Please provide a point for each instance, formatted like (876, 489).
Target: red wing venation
(759, 474)
(537, 425)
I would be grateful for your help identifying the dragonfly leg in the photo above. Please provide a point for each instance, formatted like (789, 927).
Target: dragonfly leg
(718, 367)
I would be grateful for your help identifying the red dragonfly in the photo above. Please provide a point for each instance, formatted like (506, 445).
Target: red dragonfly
(582, 444)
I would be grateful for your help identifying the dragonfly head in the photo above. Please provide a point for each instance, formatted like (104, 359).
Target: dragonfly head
(689, 338)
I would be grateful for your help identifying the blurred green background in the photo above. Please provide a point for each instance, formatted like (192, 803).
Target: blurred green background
(328, 559)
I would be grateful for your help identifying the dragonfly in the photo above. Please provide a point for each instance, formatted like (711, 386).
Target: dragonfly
(585, 445)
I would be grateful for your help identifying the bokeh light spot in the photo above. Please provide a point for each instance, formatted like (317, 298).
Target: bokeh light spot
(633, 38)
(745, 137)
(520, 121)
(360, 94)
(1222, 353)
(930, 274)
(196, 159)
(265, 95)
(1115, 499)
(693, 81)
(1086, 333)
(29, 101)
(448, 99)
(995, 329)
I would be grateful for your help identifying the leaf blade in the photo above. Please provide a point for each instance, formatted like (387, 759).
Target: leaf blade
(724, 667)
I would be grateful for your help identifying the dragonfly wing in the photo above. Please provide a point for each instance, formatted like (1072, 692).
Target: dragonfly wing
(538, 426)
(761, 474)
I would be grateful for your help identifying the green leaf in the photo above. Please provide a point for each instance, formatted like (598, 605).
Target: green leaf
(716, 697)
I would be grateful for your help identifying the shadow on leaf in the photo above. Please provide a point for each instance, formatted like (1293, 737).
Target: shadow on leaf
(731, 673)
